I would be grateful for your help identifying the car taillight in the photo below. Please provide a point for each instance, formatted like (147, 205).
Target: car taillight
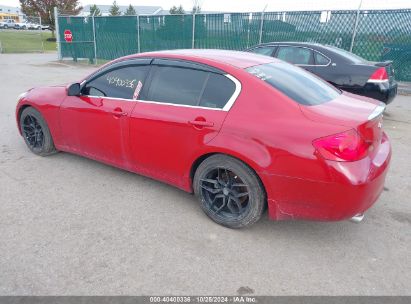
(380, 75)
(345, 146)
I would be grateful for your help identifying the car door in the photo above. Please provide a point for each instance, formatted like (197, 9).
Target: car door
(96, 123)
(334, 73)
(300, 56)
(181, 111)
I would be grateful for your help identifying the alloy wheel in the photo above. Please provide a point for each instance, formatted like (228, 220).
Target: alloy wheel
(225, 193)
(33, 132)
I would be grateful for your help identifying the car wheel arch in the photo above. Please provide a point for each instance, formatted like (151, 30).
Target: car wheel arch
(25, 106)
(196, 163)
(19, 112)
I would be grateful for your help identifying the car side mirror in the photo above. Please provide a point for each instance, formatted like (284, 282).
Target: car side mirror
(74, 89)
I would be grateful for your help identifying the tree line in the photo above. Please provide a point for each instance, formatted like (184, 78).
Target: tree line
(45, 9)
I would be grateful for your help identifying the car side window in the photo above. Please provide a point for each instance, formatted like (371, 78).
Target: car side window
(217, 92)
(295, 55)
(320, 59)
(177, 85)
(264, 50)
(190, 87)
(124, 82)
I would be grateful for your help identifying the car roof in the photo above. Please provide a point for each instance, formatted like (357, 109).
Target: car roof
(237, 59)
(310, 44)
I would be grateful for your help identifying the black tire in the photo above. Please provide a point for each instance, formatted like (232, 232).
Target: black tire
(36, 133)
(236, 206)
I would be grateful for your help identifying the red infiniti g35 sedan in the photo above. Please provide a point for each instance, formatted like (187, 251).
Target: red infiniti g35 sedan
(240, 130)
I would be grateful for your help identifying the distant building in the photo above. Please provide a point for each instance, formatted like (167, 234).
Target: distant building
(141, 10)
(11, 12)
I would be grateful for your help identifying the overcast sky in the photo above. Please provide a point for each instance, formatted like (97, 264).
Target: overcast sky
(255, 5)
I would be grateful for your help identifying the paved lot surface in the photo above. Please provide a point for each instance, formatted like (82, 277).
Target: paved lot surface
(72, 226)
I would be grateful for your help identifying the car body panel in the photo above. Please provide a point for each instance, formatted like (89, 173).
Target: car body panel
(162, 138)
(105, 139)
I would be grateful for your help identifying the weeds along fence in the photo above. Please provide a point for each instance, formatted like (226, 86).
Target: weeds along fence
(376, 35)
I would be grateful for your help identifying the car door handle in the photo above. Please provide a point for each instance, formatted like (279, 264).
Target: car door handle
(118, 112)
(201, 123)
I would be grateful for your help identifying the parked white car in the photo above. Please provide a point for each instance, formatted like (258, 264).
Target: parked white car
(8, 23)
(21, 25)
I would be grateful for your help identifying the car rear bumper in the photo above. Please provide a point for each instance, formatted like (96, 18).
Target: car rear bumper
(382, 91)
(353, 188)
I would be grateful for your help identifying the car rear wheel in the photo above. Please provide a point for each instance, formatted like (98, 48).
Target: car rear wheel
(229, 191)
(36, 133)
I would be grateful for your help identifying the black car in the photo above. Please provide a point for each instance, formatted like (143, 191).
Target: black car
(341, 68)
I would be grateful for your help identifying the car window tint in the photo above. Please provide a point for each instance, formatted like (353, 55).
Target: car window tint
(118, 83)
(320, 59)
(264, 50)
(177, 85)
(295, 55)
(296, 83)
(347, 55)
(217, 92)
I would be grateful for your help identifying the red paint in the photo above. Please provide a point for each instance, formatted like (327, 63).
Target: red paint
(68, 36)
(265, 129)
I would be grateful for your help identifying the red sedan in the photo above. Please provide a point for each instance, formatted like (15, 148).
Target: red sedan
(240, 130)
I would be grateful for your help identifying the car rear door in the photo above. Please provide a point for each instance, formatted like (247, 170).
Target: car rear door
(300, 56)
(181, 110)
(96, 123)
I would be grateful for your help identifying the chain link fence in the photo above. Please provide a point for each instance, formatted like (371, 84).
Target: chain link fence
(375, 35)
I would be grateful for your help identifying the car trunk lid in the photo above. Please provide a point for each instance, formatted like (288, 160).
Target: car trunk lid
(353, 112)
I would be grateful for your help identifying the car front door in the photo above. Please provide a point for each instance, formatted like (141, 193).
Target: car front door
(96, 123)
(182, 110)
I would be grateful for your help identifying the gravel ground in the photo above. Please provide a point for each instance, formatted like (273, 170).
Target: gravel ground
(73, 226)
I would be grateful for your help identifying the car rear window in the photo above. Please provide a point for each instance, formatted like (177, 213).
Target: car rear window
(347, 55)
(296, 83)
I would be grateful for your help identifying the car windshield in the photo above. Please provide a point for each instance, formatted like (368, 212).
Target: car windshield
(296, 83)
(347, 55)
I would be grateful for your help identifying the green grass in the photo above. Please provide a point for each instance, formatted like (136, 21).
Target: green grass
(13, 41)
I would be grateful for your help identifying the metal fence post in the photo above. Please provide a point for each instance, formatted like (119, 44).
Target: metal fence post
(250, 16)
(94, 40)
(41, 34)
(355, 26)
(138, 34)
(194, 29)
(56, 22)
(261, 25)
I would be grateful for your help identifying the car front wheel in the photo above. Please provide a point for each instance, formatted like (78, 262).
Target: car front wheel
(229, 191)
(36, 132)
